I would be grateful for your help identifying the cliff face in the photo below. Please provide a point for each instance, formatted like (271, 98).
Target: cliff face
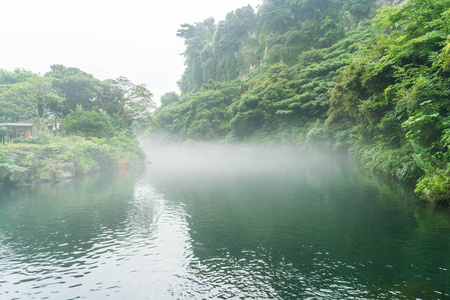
(266, 72)
(278, 32)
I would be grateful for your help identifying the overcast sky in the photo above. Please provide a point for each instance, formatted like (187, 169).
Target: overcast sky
(107, 38)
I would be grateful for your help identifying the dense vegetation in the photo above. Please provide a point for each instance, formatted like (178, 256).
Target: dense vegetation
(97, 118)
(264, 75)
(25, 95)
(391, 105)
(333, 72)
(48, 158)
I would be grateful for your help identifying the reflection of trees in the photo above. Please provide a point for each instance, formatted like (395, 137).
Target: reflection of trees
(256, 205)
(316, 215)
(427, 247)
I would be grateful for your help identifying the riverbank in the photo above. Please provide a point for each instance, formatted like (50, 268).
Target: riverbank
(55, 158)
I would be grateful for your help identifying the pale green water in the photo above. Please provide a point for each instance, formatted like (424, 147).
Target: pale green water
(236, 225)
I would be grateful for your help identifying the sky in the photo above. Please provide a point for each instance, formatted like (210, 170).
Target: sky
(106, 38)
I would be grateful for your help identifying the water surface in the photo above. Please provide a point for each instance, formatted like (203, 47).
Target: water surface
(224, 223)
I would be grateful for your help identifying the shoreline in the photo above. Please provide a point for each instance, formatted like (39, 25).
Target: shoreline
(24, 164)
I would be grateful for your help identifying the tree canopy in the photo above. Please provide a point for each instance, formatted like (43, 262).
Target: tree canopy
(67, 91)
(30, 99)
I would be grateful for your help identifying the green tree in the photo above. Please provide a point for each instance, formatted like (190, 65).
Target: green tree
(30, 99)
(87, 123)
(169, 98)
(197, 38)
(76, 86)
(7, 78)
(131, 102)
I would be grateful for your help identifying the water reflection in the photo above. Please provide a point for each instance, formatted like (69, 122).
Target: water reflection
(108, 238)
(232, 224)
(296, 227)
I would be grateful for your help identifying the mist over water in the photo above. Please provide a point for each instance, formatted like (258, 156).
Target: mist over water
(209, 221)
(215, 158)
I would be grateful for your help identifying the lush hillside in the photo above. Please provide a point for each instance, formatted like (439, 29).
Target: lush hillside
(265, 74)
(278, 32)
(333, 72)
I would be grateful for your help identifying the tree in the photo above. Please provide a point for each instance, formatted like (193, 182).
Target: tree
(30, 99)
(196, 38)
(131, 102)
(89, 123)
(7, 78)
(76, 86)
(169, 98)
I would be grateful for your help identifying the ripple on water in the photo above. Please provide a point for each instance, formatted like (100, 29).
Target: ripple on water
(278, 239)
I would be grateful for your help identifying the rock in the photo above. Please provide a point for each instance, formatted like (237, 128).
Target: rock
(46, 176)
(41, 154)
(14, 157)
(37, 164)
(66, 175)
(69, 168)
(21, 176)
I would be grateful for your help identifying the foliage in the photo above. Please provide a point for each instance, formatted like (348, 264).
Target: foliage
(8, 78)
(278, 102)
(102, 113)
(41, 138)
(11, 168)
(132, 102)
(74, 85)
(169, 98)
(202, 115)
(118, 97)
(394, 97)
(30, 99)
(86, 123)
(85, 155)
(25, 95)
(277, 33)
(2, 135)
(197, 38)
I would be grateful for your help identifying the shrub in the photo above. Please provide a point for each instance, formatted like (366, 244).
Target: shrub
(436, 188)
(89, 123)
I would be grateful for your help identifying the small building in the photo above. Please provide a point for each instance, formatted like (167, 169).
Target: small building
(25, 129)
(19, 130)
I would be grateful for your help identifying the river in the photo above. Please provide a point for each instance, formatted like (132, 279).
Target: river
(216, 222)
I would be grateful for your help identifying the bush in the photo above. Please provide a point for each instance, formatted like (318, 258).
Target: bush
(41, 138)
(436, 188)
(89, 123)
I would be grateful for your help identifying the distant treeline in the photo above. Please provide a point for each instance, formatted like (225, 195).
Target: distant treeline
(347, 74)
(92, 107)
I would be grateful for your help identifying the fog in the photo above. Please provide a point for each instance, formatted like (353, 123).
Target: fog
(215, 158)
